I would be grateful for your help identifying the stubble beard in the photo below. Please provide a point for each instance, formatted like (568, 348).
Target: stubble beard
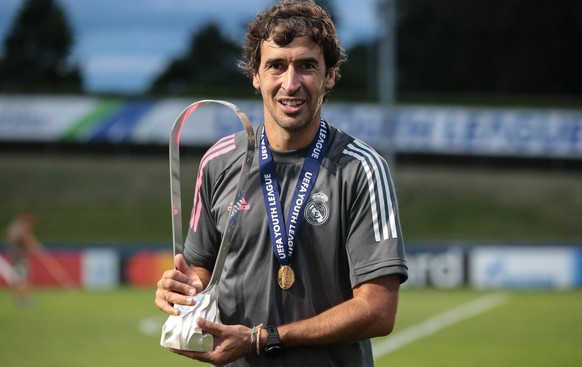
(299, 123)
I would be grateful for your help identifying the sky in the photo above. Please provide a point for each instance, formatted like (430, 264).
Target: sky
(122, 45)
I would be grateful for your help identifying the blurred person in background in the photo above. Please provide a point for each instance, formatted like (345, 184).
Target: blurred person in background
(21, 241)
(315, 290)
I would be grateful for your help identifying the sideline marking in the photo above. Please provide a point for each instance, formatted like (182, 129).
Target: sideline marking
(152, 326)
(437, 323)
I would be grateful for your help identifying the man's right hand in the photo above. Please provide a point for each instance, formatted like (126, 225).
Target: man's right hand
(178, 286)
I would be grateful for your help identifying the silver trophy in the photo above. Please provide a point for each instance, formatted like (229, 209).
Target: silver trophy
(182, 332)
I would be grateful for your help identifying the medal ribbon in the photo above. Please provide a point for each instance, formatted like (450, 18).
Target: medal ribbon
(284, 235)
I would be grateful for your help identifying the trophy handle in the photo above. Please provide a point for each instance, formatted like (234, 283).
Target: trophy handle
(176, 200)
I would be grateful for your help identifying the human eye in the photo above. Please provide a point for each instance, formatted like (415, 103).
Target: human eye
(274, 66)
(309, 65)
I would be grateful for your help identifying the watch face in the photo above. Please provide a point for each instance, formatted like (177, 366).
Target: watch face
(274, 350)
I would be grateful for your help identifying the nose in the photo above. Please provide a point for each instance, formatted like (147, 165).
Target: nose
(291, 80)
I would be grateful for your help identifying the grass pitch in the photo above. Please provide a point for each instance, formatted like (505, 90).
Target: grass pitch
(529, 329)
(122, 328)
(77, 328)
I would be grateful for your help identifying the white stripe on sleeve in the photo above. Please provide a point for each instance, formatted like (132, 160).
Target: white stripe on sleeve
(379, 188)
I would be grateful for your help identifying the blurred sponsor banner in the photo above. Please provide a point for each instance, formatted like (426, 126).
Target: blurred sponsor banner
(494, 266)
(101, 268)
(87, 268)
(92, 267)
(109, 121)
(489, 131)
(520, 132)
(46, 268)
(438, 266)
(43, 119)
(145, 268)
(525, 267)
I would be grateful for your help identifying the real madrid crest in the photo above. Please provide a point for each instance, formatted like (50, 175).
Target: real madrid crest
(317, 210)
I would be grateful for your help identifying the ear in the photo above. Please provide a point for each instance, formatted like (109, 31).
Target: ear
(330, 82)
(256, 82)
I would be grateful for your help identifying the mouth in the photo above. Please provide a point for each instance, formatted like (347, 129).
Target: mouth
(291, 105)
(291, 102)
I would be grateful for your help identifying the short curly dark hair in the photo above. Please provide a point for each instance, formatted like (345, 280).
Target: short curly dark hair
(284, 21)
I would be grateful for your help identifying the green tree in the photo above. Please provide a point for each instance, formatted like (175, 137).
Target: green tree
(359, 73)
(500, 46)
(208, 68)
(36, 51)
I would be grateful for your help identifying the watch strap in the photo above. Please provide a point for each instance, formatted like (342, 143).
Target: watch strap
(273, 335)
(274, 346)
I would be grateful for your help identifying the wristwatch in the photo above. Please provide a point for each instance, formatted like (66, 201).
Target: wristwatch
(274, 346)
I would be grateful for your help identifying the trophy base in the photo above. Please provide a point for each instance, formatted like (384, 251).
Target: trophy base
(181, 332)
(196, 342)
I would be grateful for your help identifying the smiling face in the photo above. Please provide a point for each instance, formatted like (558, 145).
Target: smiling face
(292, 80)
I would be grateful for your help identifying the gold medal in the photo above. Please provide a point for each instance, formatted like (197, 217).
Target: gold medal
(285, 277)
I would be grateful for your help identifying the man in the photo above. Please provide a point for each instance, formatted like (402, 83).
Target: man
(315, 267)
(21, 241)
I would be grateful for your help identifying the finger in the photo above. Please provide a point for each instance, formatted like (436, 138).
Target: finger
(175, 275)
(166, 300)
(176, 282)
(171, 292)
(164, 305)
(193, 278)
(209, 326)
